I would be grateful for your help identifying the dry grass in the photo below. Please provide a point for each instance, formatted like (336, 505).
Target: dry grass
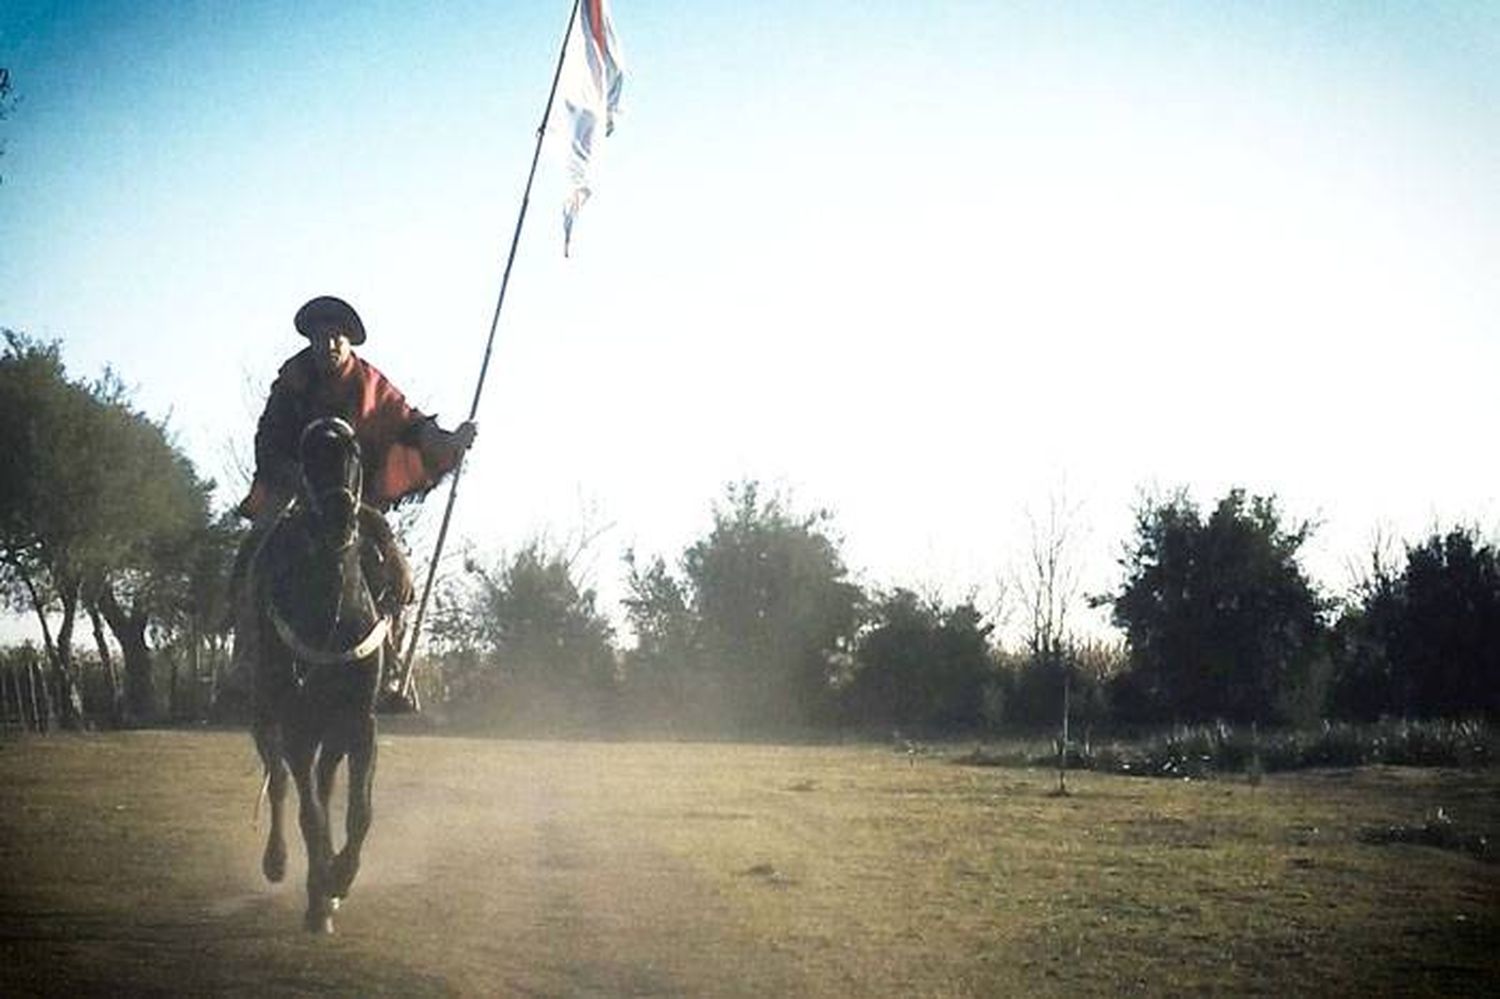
(129, 866)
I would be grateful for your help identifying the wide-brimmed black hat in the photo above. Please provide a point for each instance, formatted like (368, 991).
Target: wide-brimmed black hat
(324, 311)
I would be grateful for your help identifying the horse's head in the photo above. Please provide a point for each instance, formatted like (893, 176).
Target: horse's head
(332, 478)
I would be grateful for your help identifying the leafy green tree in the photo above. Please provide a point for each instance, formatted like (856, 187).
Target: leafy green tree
(153, 528)
(1220, 618)
(98, 511)
(665, 681)
(47, 506)
(1366, 682)
(776, 613)
(1425, 642)
(208, 608)
(1450, 643)
(524, 645)
(1032, 689)
(921, 666)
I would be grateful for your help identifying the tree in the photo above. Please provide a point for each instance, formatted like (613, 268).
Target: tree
(921, 666)
(1449, 642)
(208, 608)
(665, 680)
(98, 512)
(1049, 587)
(523, 645)
(1054, 679)
(47, 510)
(775, 612)
(1366, 684)
(1425, 641)
(1220, 618)
(156, 529)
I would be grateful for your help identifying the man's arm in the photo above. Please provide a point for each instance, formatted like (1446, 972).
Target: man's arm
(276, 434)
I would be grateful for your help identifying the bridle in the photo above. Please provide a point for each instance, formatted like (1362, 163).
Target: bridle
(350, 489)
(352, 486)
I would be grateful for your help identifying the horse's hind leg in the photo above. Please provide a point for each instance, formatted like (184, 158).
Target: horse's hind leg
(357, 820)
(268, 744)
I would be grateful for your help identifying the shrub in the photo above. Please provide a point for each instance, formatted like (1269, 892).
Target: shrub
(1202, 750)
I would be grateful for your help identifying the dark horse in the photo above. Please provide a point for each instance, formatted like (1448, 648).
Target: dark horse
(317, 668)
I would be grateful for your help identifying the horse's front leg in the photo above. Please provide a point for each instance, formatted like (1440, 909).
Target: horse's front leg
(313, 818)
(357, 819)
(268, 744)
(329, 758)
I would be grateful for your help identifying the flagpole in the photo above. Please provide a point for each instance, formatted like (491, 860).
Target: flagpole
(407, 687)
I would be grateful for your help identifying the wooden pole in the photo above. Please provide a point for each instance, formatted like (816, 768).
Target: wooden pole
(20, 698)
(1062, 753)
(41, 706)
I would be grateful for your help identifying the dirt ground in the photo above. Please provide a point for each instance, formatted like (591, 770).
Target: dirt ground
(129, 866)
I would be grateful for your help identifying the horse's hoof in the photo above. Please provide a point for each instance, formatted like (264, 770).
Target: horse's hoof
(319, 923)
(273, 864)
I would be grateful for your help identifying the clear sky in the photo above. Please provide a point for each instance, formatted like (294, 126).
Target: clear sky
(926, 265)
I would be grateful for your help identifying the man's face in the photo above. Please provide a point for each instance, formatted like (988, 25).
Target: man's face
(330, 349)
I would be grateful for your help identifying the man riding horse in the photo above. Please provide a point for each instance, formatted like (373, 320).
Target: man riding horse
(404, 452)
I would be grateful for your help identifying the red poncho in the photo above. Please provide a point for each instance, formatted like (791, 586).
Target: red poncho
(386, 426)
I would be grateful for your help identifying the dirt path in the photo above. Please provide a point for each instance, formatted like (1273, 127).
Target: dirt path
(129, 866)
(523, 874)
(535, 874)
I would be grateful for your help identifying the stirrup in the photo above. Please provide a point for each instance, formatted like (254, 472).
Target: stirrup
(393, 701)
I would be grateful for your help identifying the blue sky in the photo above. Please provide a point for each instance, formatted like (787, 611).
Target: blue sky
(927, 265)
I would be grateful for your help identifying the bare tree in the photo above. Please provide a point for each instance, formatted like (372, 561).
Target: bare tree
(1381, 559)
(1049, 584)
(1050, 591)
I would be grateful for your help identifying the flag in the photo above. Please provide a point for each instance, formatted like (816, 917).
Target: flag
(592, 77)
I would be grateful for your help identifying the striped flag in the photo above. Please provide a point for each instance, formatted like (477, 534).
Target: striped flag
(593, 72)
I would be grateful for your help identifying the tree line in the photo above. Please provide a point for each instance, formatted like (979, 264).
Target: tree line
(758, 628)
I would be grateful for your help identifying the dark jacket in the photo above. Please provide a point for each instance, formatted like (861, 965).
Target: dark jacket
(388, 429)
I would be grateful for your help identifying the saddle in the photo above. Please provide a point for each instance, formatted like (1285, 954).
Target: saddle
(386, 570)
